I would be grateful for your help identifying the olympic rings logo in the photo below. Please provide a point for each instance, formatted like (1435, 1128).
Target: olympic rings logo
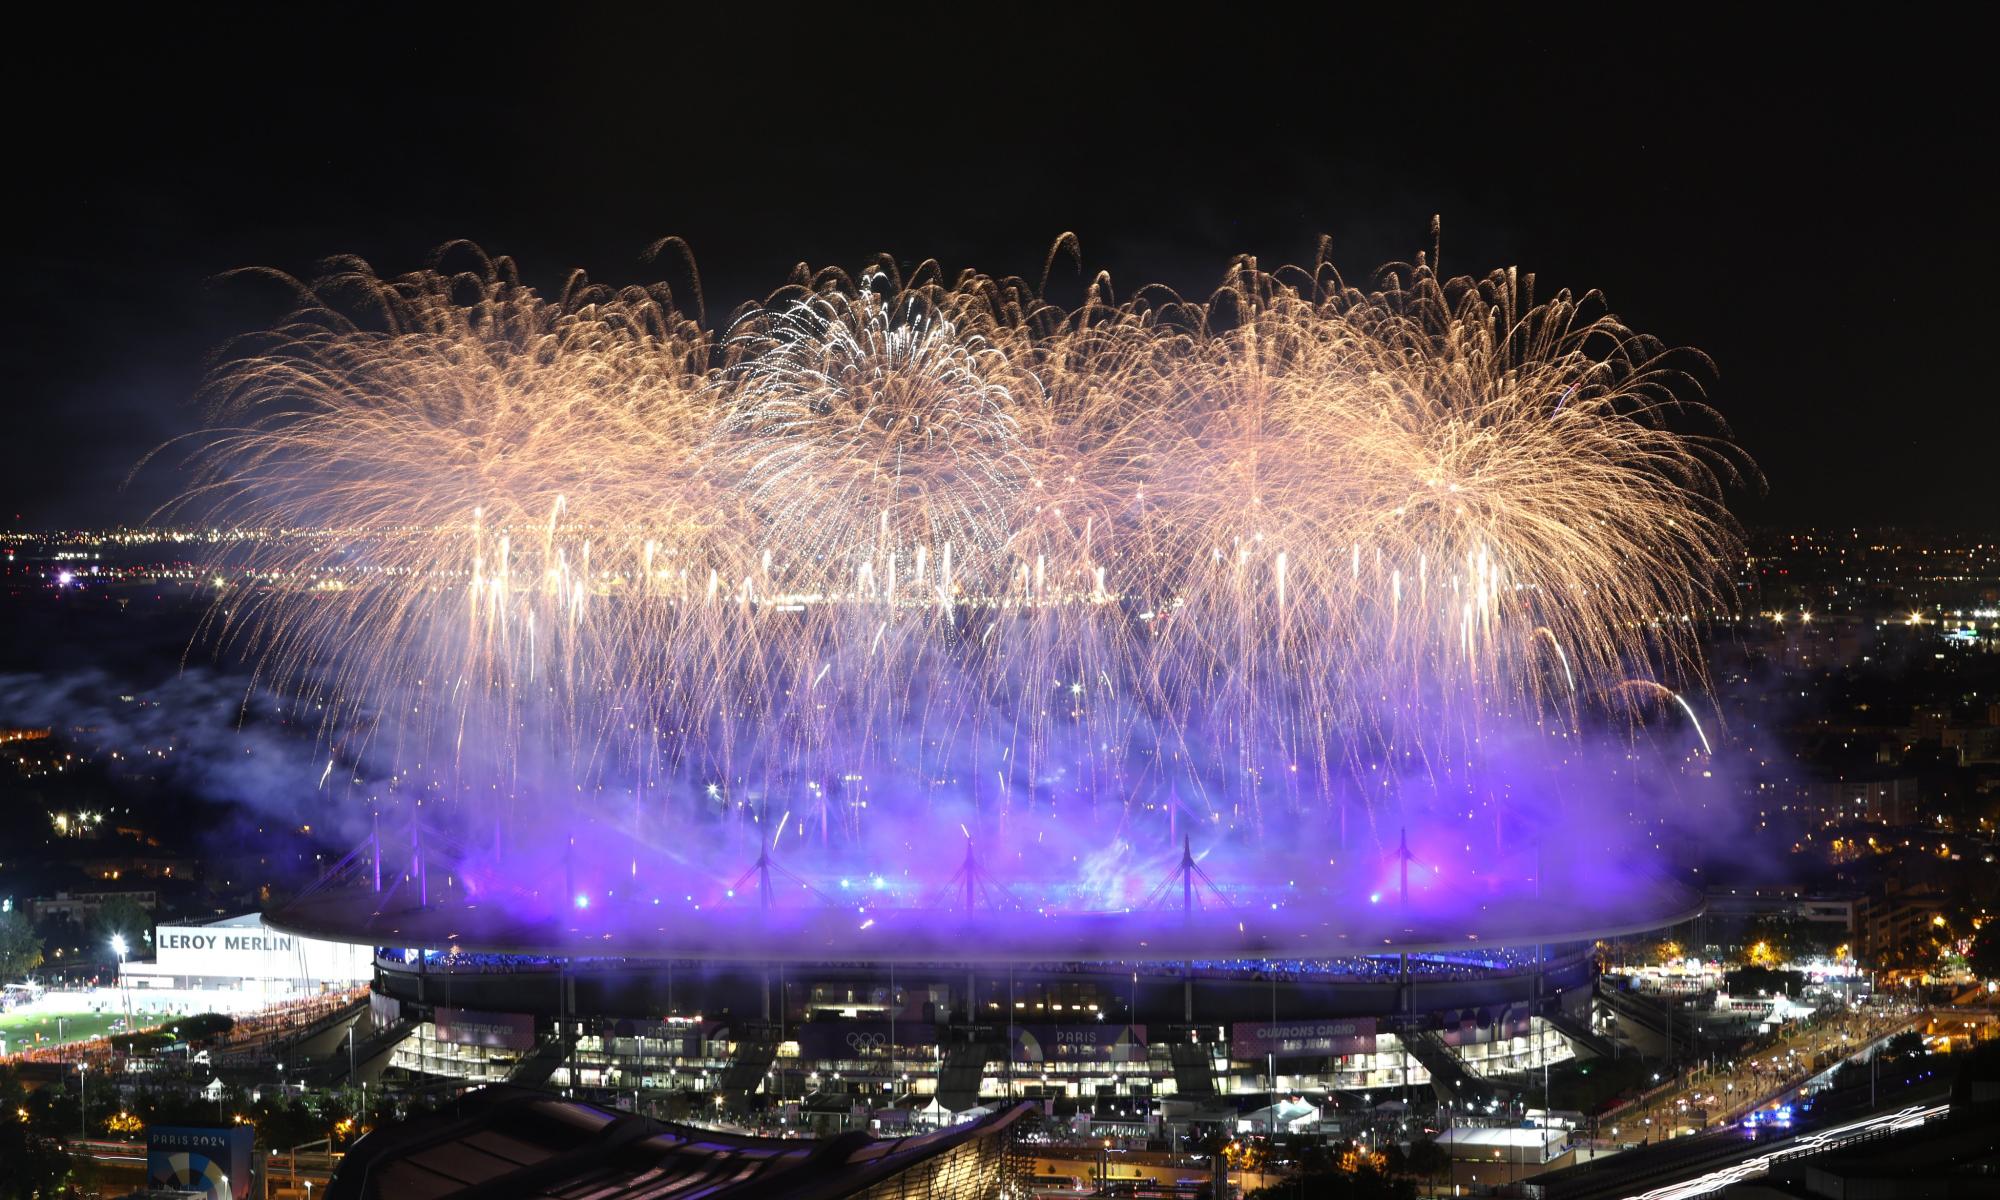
(866, 1041)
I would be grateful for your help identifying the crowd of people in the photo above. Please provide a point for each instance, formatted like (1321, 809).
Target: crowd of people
(1482, 964)
(250, 1033)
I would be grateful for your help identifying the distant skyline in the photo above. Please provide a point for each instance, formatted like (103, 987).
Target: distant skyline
(1802, 205)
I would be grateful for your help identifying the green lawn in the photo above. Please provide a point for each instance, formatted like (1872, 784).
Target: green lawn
(20, 1028)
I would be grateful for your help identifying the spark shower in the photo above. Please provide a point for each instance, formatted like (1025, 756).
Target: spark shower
(886, 561)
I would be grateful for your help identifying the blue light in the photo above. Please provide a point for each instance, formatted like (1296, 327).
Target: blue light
(582, 901)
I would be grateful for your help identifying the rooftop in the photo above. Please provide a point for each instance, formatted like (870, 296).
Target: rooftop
(513, 1142)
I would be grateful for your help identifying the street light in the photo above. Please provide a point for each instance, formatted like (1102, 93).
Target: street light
(118, 947)
(82, 1101)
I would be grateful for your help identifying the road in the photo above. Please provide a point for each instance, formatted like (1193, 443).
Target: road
(1756, 1166)
(1723, 1095)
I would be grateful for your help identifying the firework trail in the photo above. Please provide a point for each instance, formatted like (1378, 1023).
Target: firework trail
(892, 551)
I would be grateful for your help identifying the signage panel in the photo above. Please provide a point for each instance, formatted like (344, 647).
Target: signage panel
(470, 1027)
(1302, 1039)
(860, 1039)
(211, 1162)
(244, 949)
(1079, 1043)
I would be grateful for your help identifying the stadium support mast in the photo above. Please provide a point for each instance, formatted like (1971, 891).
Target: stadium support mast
(1188, 873)
(971, 884)
(761, 871)
(1403, 857)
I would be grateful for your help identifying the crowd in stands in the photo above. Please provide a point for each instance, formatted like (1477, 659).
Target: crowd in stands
(1462, 965)
(251, 1033)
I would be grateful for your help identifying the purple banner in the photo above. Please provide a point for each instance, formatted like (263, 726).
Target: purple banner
(469, 1027)
(1485, 1025)
(1299, 1039)
(681, 1038)
(1079, 1043)
(859, 1039)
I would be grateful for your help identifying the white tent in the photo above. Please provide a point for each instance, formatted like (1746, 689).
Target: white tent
(1508, 1143)
(932, 1114)
(1289, 1116)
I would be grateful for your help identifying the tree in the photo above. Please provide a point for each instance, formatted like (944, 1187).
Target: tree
(1426, 1159)
(1766, 943)
(20, 946)
(33, 1162)
(122, 916)
(1984, 959)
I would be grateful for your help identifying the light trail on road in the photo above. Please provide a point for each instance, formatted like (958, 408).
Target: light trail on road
(1825, 1139)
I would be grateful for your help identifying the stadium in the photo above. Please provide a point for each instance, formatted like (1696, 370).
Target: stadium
(917, 697)
(832, 1019)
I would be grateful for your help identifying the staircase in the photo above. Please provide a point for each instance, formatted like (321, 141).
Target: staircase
(537, 1065)
(1449, 1077)
(1194, 1070)
(756, 1050)
(962, 1071)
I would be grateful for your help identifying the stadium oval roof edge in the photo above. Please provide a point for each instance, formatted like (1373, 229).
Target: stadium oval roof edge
(805, 935)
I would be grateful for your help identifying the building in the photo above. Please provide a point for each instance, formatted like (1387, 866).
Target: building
(1847, 913)
(1900, 919)
(807, 1010)
(83, 906)
(505, 1141)
(240, 954)
(1888, 800)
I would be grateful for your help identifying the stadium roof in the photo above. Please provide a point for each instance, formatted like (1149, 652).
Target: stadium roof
(828, 934)
(513, 1142)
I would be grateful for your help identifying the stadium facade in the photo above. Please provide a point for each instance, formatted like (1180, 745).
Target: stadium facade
(1178, 1016)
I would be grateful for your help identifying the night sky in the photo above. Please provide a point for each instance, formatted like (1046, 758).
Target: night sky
(1808, 204)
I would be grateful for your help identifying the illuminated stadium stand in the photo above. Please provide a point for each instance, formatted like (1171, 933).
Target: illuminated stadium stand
(1111, 1034)
(806, 1013)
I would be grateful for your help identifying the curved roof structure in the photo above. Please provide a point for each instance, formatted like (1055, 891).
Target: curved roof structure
(1309, 927)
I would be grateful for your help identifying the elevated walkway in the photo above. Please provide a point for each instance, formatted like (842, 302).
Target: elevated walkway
(324, 1038)
(1583, 1040)
(1650, 1020)
(371, 1055)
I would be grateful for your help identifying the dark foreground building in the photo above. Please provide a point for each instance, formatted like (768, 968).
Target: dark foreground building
(498, 1143)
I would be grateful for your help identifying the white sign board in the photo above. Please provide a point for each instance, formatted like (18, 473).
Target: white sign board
(241, 948)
